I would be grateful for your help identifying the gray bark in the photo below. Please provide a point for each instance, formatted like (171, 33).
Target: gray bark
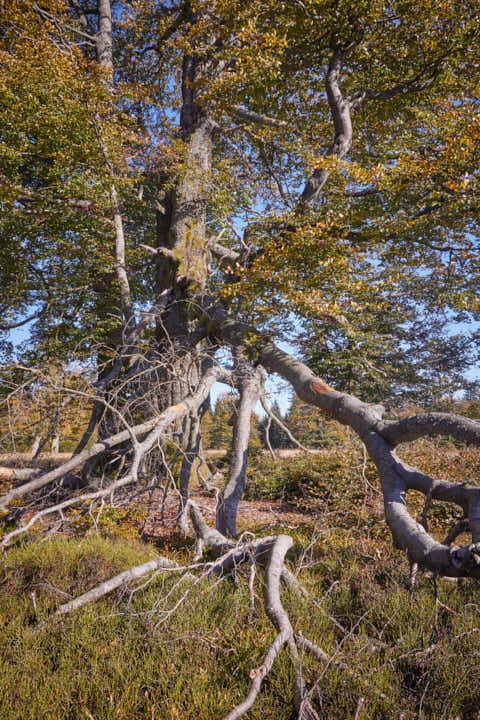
(122, 579)
(250, 384)
(190, 455)
(396, 477)
(340, 109)
(161, 422)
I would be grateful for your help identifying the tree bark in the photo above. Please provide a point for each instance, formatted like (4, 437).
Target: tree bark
(395, 476)
(250, 385)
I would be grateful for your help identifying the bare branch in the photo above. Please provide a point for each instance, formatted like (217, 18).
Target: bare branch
(159, 423)
(59, 23)
(342, 122)
(432, 424)
(257, 118)
(250, 382)
(395, 476)
(279, 618)
(158, 563)
(225, 253)
(282, 425)
(165, 252)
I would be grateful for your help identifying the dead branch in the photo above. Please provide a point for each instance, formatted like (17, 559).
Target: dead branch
(282, 425)
(167, 417)
(279, 618)
(123, 578)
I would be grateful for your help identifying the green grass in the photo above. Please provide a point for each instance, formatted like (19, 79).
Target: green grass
(110, 660)
(114, 660)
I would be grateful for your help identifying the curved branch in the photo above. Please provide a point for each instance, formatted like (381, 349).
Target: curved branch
(431, 425)
(11, 326)
(123, 578)
(286, 430)
(191, 402)
(257, 118)
(342, 122)
(395, 476)
(278, 617)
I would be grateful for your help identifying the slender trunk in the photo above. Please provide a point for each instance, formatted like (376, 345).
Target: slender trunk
(250, 384)
(189, 458)
(35, 446)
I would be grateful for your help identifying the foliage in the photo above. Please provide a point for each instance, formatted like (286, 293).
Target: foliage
(395, 233)
(393, 355)
(221, 429)
(311, 427)
(58, 142)
(50, 403)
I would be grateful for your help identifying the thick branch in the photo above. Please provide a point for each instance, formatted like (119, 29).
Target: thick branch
(396, 478)
(250, 382)
(257, 118)
(224, 253)
(342, 142)
(431, 425)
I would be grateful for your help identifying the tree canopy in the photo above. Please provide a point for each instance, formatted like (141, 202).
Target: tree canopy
(393, 232)
(184, 183)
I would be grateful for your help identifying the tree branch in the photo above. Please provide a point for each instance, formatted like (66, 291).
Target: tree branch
(158, 423)
(257, 118)
(342, 142)
(432, 424)
(395, 477)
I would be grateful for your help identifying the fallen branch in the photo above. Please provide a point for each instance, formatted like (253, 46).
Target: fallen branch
(123, 578)
(278, 617)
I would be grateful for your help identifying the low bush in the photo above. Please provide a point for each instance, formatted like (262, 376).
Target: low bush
(123, 658)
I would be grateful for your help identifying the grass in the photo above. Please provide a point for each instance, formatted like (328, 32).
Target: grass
(115, 660)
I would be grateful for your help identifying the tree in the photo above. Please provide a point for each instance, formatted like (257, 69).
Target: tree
(397, 354)
(47, 414)
(221, 434)
(164, 205)
(272, 432)
(310, 426)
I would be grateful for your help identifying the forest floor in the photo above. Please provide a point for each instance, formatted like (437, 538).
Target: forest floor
(144, 653)
(160, 514)
(262, 515)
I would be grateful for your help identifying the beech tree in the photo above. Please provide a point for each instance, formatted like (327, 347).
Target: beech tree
(180, 178)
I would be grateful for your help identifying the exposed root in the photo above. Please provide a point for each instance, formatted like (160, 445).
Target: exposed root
(279, 618)
(270, 553)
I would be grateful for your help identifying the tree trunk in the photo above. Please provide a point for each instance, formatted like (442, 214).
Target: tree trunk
(250, 384)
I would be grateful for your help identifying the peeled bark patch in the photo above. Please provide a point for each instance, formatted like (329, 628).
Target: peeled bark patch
(321, 388)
